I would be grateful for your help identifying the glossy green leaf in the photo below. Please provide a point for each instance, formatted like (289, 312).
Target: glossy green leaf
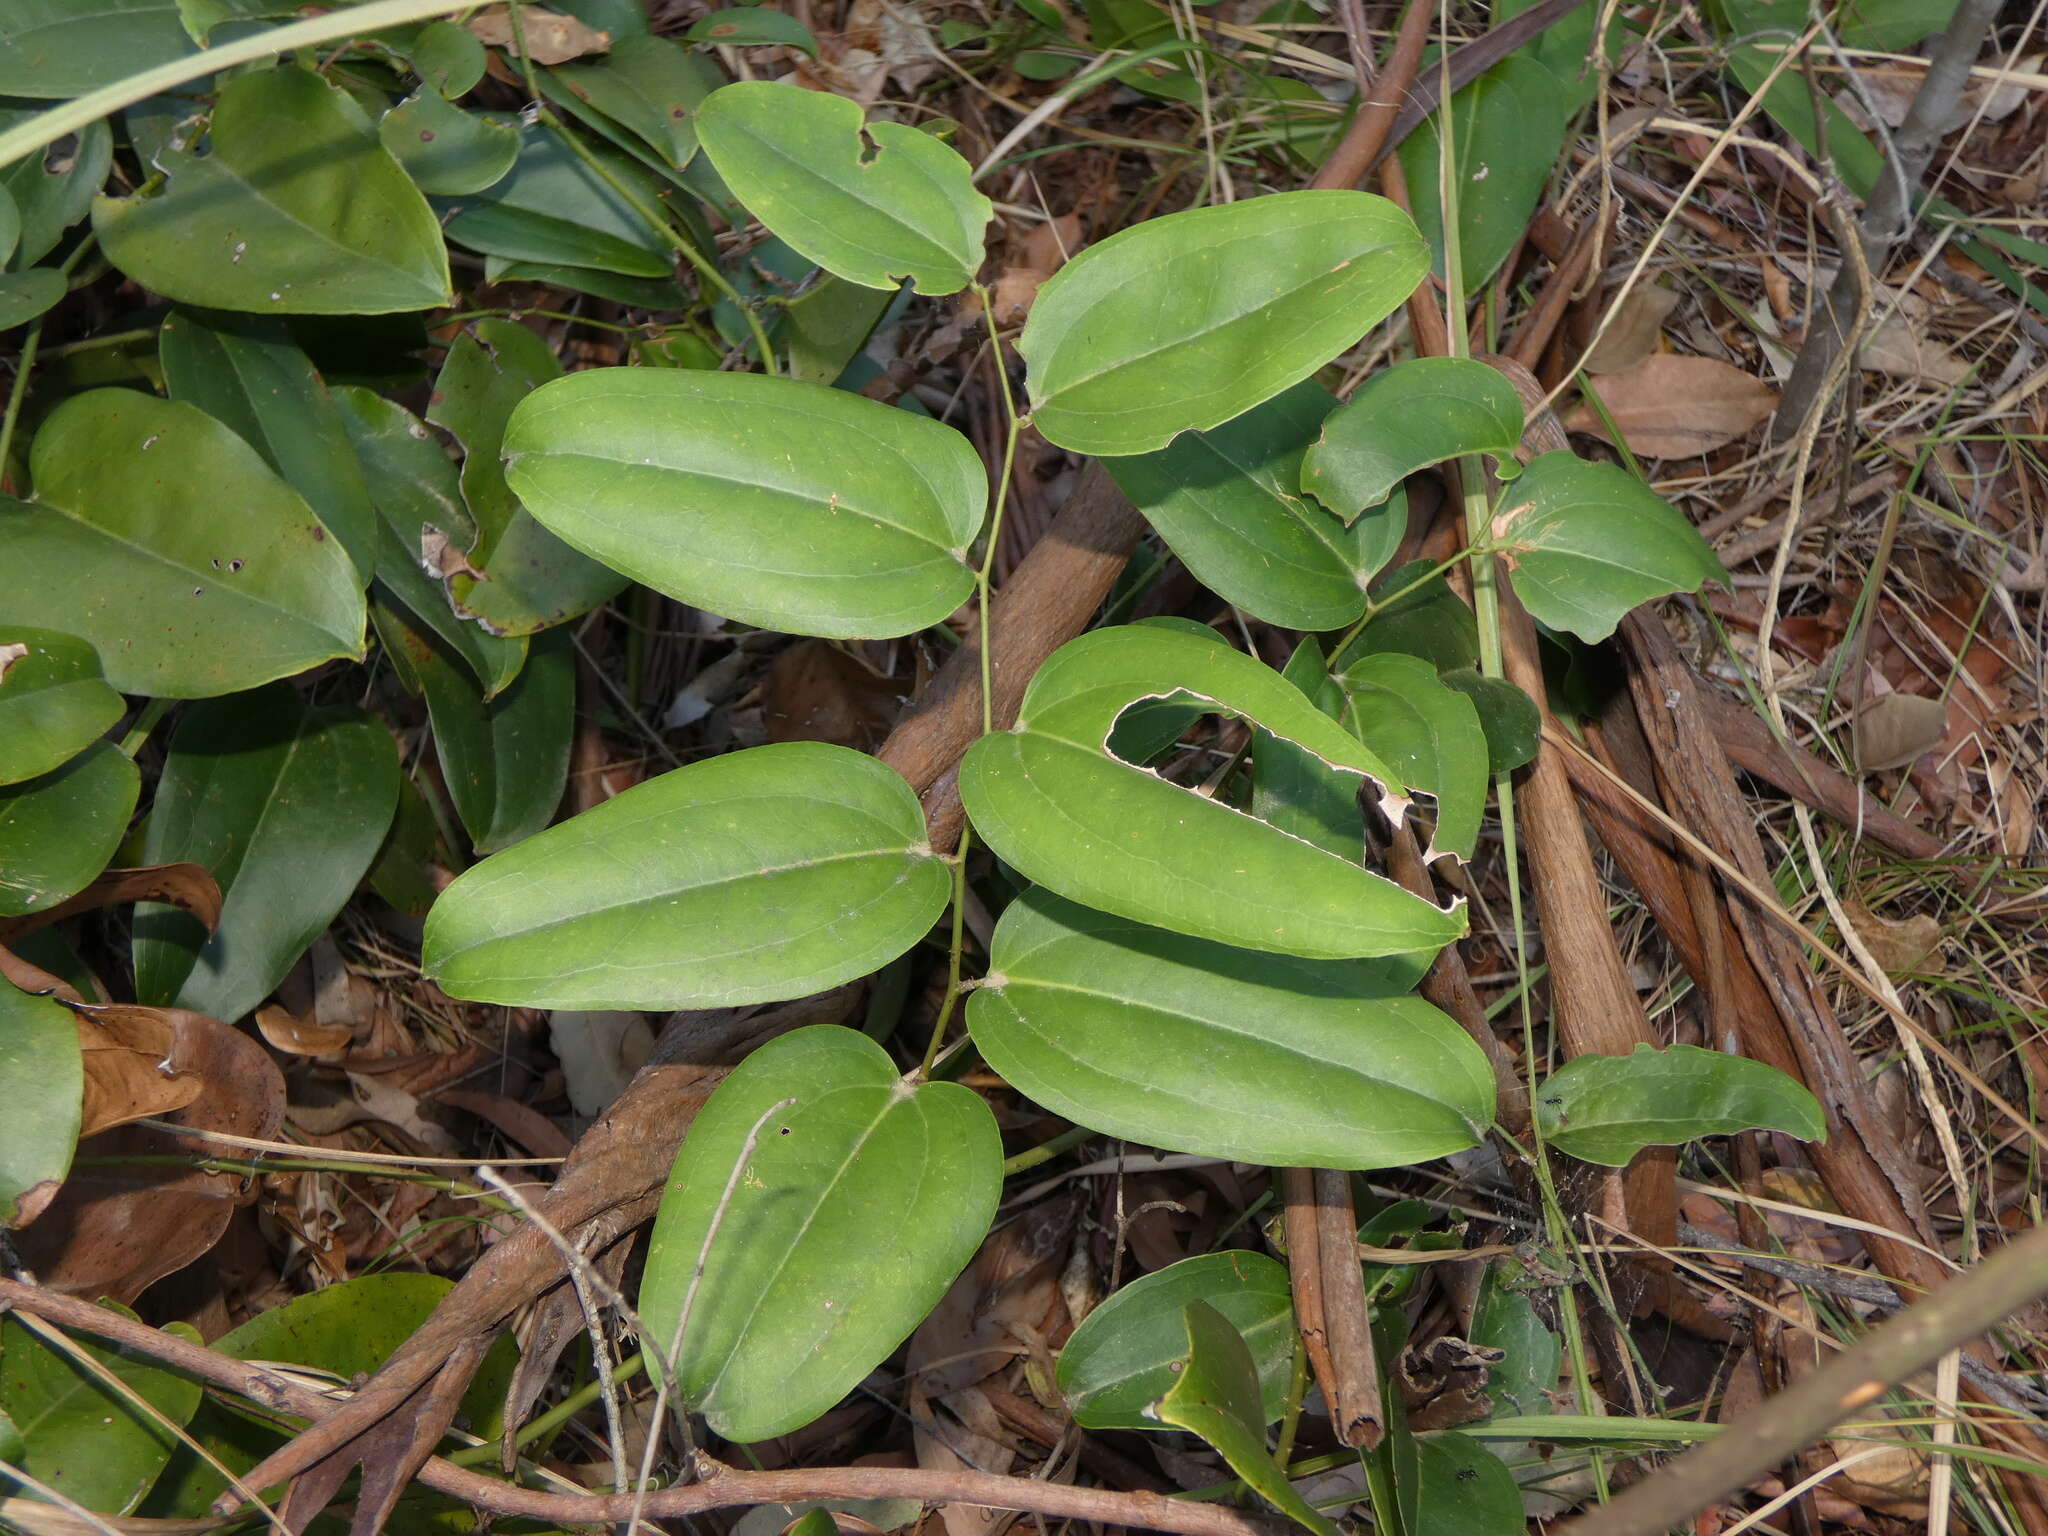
(39, 1045)
(875, 204)
(60, 830)
(53, 190)
(765, 874)
(1505, 129)
(1463, 1489)
(1405, 418)
(163, 539)
(295, 208)
(1227, 501)
(417, 495)
(82, 1436)
(1432, 736)
(24, 295)
(553, 207)
(1606, 1109)
(1295, 790)
(1122, 1358)
(1584, 543)
(651, 87)
(1510, 718)
(1216, 1396)
(863, 1162)
(504, 760)
(246, 372)
(53, 701)
(1050, 799)
(1241, 300)
(752, 26)
(530, 579)
(1197, 1047)
(286, 806)
(791, 506)
(445, 150)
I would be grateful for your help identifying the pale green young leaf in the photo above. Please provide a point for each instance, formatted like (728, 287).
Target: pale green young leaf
(856, 1208)
(1405, 418)
(54, 700)
(1606, 1109)
(59, 830)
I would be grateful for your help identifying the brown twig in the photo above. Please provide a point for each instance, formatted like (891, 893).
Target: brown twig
(1329, 1300)
(1379, 100)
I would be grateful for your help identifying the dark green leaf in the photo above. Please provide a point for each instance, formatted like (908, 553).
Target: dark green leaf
(553, 208)
(58, 831)
(53, 701)
(447, 57)
(39, 1046)
(752, 26)
(1504, 1318)
(1606, 1109)
(1408, 417)
(1513, 724)
(1430, 733)
(826, 327)
(53, 190)
(1463, 1490)
(1422, 617)
(58, 48)
(24, 295)
(1295, 790)
(650, 86)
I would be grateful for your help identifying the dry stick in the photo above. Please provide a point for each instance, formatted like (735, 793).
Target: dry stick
(1889, 216)
(1964, 1309)
(1379, 101)
(1355, 1406)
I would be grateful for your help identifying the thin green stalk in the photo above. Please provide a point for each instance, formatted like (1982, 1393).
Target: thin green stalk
(93, 343)
(955, 944)
(542, 1424)
(1046, 1151)
(148, 716)
(1375, 606)
(23, 367)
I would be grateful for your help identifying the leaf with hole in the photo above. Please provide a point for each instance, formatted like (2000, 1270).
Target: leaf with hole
(287, 806)
(39, 1045)
(1048, 797)
(766, 874)
(1405, 418)
(59, 830)
(1216, 1396)
(1240, 301)
(1585, 543)
(1122, 1358)
(874, 203)
(1430, 733)
(1606, 1109)
(1153, 1036)
(295, 208)
(53, 190)
(790, 506)
(905, 1175)
(164, 540)
(1228, 502)
(54, 701)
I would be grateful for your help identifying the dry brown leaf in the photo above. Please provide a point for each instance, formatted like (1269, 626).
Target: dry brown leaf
(127, 1051)
(1892, 89)
(817, 692)
(286, 1032)
(550, 38)
(1901, 349)
(1669, 407)
(1041, 253)
(1012, 1285)
(1895, 728)
(1631, 336)
(1900, 945)
(190, 886)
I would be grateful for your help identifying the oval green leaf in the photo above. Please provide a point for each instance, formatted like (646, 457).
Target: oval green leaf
(295, 209)
(1584, 543)
(1048, 797)
(1198, 1047)
(1241, 300)
(53, 701)
(287, 807)
(38, 1045)
(165, 540)
(1606, 1109)
(862, 1162)
(1122, 1358)
(791, 506)
(649, 86)
(59, 830)
(553, 207)
(1408, 417)
(445, 150)
(874, 204)
(1227, 502)
(762, 875)
(752, 26)
(1396, 706)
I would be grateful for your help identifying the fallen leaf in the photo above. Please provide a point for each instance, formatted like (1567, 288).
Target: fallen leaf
(817, 692)
(1899, 348)
(190, 886)
(599, 1053)
(1041, 253)
(1892, 730)
(1891, 91)
(1901, 946)
(1669, 407)
(127, 1052)
(1631, 336)
(285, 1031)
(550, 38)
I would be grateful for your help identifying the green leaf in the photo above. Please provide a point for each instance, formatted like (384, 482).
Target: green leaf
(1606, 1109)
(1422, 617)
(1405, 418)
(1431, 733)
(245, 372)
(445, 150)
(874, 204)
(761, 875)
(296, 208)
(1197, 1047)
(826, 328)
(1503, 1318)
(53, 701)
(1049, 798)
(790, 506)
(39, 1046)
(1240, 301)
(85, 1438)
(1584, 543)
(1227, 501)
(165, 540)
(554, 208)
(651, 87)
(57, 48)
(60, 830)
(752, 26)
(24, 295)
(505, 760)
(53, 190)
(1122, 1358)
(10, 225)
(907, 1175)
(1505, 129)
(530, 578)
(1888, 26)
(1297, 791)
(1463, 1489)
(1510, 718)
(287, 806)
(448, 58)
(416, 493)
(1216, 1396)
